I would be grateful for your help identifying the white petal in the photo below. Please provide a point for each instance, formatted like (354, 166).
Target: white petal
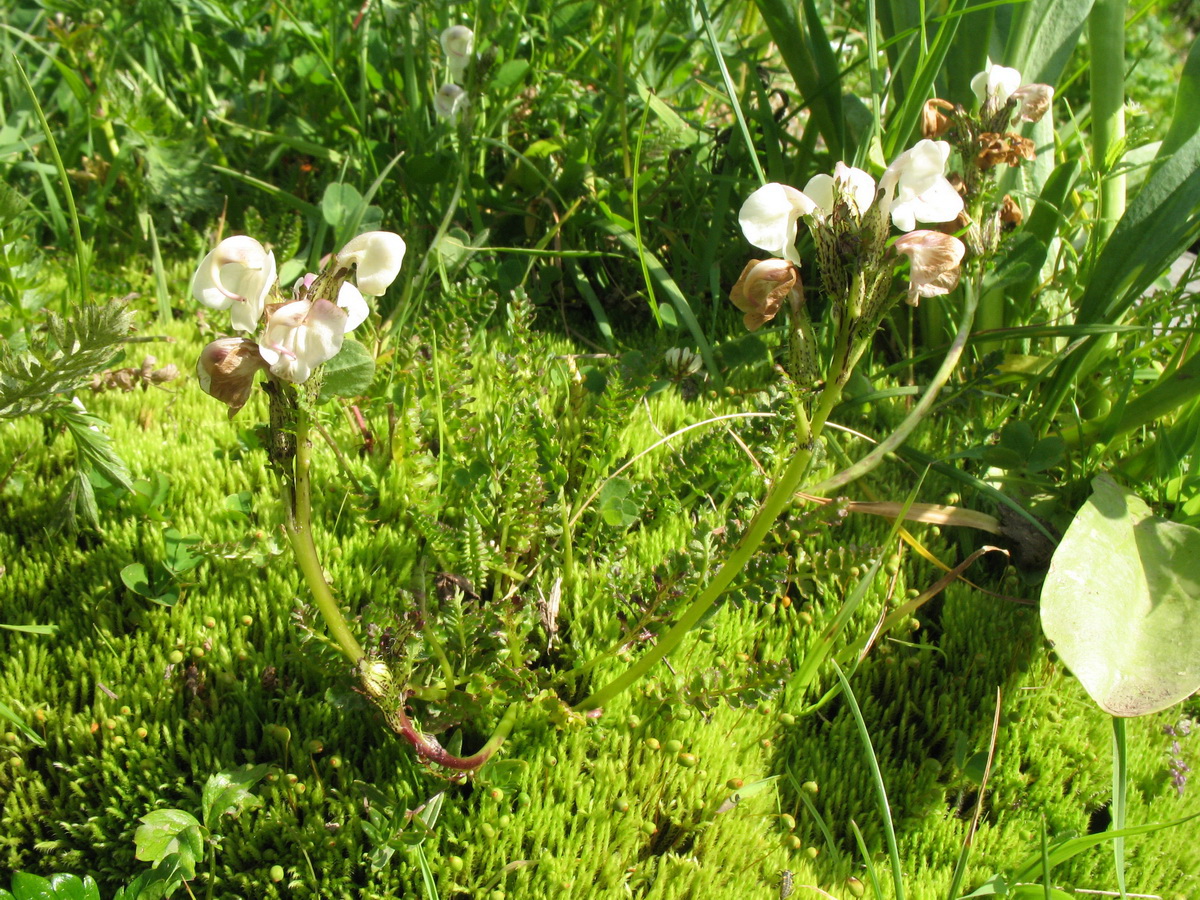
(820, 190)
(205, 288)
(301, 336)
(458, 40)
(769, 215)
(378, 256)
(915, 190)
(238, 272)
(997, 82)
(351, 300)
(449, 101)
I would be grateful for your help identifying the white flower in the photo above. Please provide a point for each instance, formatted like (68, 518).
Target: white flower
(995, 83)
(935, 259)
(915, 188)
(304, 334)
(238, 273)
(769, 216)
(377, 256)
(449, 101)
(458, 42)
(852, 185)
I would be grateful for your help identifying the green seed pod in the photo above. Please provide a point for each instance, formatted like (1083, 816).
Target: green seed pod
(315, 746)
(335, 762)
(652, 743)
(791, 842)
(118, 740)
(809, 787)
(300, 788)
(279, 732)
(126, 711)
(673, 745)
(174, 657)
(787, 719)
(10, 737)
(621, 805)
(277, 874)
(855, 887)
(455, 863)
(496, 794)
(649, 828)
(687, 760)
(197, 652)
(633, 721)
(734, 784)
(788, 821)
(812, 852)
(247, 620)
(488, 831)
(210, 622)
(291, 778)
(805, 617)
(110, 724)
(504, 821)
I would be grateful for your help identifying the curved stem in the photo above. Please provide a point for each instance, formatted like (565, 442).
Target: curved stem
(297, 503)
(435, 753)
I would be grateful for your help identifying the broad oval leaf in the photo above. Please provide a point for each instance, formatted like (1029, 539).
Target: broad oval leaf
(167, 832)
(349, 373)
(1122, 603)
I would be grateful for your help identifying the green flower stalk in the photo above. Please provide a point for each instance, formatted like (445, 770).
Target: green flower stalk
(848, 215)
(289, 342)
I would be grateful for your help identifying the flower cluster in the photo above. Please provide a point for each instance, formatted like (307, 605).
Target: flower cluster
(458, 43)
(293, 337)
(849, 217)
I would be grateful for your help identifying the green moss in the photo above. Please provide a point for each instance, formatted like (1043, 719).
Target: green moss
(491, 439)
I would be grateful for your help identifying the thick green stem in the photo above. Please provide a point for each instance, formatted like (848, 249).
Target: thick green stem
(1106, 34)
(297, 502)
(778, 499)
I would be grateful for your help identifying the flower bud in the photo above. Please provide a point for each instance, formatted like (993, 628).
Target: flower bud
(761, 289)
(226, 370)
(935, 259)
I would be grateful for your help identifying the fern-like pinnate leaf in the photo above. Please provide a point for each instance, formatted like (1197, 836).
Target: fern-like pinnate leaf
(43, 377)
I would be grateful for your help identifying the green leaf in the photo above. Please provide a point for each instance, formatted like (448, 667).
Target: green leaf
(228, 794)
(616, 506)
(180, 558)
(30, 734)
(137, 579)
(349, 373)
(166, 832)
(31, 887)
(1042, 37)
(509, 75)
(70, 887)
(64, 359)
(32, 629)
(1122, 603)
(339, 203)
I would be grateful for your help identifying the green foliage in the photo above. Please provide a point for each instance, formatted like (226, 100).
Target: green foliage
(1120, 603)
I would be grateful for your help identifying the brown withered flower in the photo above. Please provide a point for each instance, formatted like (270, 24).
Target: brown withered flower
(1034, 100)
(995, 149)
(226, 370)
(934, 121)
(762, 288)
(1010, 214)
